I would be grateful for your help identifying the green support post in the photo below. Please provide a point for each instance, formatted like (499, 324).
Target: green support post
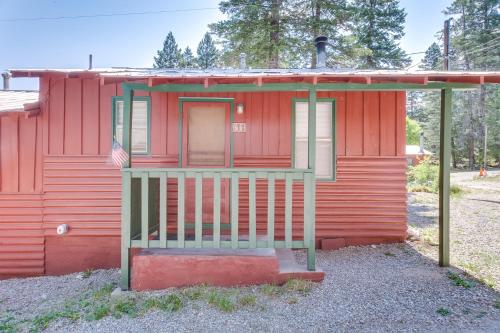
(311, 164)
(126, 189)
(444, 178)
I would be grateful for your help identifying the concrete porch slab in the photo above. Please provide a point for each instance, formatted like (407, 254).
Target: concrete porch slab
(154, 269)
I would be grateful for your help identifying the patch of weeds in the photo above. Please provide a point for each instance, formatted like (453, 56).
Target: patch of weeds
(292, 300)
(125, 306)
(443, 312)
(456, 191)
(248, 300)
(488, 281)
(298, 285)
(457, 280)
(195, 293)
(470, 267)
(497, 304)
(104, 291)
(171, 303)
(430, 235)
(8, 325)
(99, 311)
(41, 322)
(389, 254)
(220, 301)
(270, 290)
(86, 274)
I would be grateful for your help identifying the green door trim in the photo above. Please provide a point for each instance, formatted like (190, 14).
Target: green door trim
(229, 100)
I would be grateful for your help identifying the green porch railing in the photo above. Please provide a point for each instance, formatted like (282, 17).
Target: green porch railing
(145, 204)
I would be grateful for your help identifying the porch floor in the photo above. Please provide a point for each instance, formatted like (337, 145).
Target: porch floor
(154, 269)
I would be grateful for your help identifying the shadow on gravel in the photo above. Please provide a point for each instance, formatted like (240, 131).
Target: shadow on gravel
(421, 215)
(484, 200)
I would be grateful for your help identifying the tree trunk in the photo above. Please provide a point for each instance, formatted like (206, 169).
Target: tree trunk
(274, 34)
(316, 17)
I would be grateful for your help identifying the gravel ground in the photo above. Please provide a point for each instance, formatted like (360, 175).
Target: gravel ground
(383, 288)
(387, 288)
(474, 225)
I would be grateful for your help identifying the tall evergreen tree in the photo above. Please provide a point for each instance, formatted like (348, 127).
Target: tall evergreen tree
(188, 59)
(170, 55)
(379, 26)
(207, 53)
(433, 58)
(260, 29)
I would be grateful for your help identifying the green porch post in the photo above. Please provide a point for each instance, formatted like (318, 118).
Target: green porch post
(128, 96)
(444, 178)
(311, 163)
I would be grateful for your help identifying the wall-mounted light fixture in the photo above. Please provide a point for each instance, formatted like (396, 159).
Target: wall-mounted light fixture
(240, 108)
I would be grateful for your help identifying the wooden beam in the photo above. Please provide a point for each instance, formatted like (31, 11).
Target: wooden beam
(315, 80)
(444, 178)
(259, 81)
(205, 83)
(150, 81)
(128, 96)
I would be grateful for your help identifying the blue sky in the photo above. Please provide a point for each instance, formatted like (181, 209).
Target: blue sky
(132, 40)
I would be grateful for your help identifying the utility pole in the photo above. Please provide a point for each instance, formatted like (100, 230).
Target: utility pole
(446, 44)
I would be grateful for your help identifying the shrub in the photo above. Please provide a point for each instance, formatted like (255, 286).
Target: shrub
(423, 177)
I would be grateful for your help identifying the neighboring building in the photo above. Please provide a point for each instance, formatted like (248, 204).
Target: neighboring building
(244, 132)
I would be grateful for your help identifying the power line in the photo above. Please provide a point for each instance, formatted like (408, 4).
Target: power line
(54, 18)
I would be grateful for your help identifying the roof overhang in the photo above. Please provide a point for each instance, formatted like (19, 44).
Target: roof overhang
(12, 101)
(266, 76)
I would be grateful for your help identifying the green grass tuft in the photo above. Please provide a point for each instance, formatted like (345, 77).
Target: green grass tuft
(248, 300)
(298, 285)
(8, 325)
(220, 301)
(457, 280)
(125, 306)
(443, 312)
(99, 311)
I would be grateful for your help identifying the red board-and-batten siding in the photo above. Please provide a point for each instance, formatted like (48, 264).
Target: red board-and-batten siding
(68, 147)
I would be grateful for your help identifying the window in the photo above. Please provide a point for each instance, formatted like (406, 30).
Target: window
(325, 134)
(140, 123)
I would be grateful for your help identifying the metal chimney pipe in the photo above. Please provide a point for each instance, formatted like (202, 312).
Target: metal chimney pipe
(6, 80)
(320, 43)
(90, 61)
(421, 142)
(243, 60)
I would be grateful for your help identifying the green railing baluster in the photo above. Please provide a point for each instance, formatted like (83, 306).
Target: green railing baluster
(216, 234)
(198, 229)
(163, 209)
(180, 209)
(145, 210)
(234, 210)
(270, 210)
(307, 209)
(288, 209)
(252, 226)
(126, 210)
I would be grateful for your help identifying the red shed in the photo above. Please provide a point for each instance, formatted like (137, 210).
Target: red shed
(222, 158)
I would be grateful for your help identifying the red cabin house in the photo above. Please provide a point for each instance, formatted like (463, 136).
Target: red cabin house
(219, 159)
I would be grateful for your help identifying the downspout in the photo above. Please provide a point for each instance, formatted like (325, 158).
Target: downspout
(6, 80)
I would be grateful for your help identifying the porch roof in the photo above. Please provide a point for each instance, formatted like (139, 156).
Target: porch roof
(18, 100)
(323, 75)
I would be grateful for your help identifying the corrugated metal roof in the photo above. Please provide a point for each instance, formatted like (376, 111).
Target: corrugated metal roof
(128, 72)
(14, 100)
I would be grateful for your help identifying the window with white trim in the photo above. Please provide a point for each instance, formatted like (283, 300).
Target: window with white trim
(140, 125)
(325, 134)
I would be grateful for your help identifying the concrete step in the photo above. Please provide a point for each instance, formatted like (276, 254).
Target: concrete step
(154, 269)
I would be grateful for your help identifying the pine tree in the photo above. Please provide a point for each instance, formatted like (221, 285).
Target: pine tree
(170, 55)
(260, 29)
(188, 59)
(378, 27)
(331, 18)
(207, 53)
(433, 58)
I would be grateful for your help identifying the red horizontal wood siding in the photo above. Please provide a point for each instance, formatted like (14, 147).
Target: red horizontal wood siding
(78, 185)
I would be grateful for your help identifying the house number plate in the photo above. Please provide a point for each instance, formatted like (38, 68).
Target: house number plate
(239, 127)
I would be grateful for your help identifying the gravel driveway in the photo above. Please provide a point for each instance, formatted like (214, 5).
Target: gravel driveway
(384, 288)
